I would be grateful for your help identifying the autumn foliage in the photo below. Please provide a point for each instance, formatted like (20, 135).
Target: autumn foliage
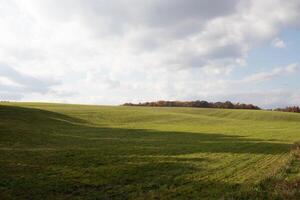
(197, 104)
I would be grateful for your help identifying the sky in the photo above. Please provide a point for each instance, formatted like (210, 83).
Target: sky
(117, 51)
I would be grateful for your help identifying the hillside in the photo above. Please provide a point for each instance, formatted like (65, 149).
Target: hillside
(57, 151)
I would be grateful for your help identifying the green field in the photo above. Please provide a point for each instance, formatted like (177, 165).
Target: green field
(56, 151)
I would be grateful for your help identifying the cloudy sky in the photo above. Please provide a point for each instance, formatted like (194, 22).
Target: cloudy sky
(116, 51)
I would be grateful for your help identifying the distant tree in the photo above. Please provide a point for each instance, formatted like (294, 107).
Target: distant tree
(197, 104)
(294, 109)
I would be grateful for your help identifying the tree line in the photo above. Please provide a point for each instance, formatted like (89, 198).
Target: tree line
(294, 109)
(197, 104)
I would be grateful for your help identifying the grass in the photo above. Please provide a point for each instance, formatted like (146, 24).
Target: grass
(57, 151)
(283, 185)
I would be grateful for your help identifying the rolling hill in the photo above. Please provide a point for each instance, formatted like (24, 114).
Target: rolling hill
(59, 151)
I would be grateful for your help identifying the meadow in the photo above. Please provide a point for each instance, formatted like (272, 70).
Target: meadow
(63, 151)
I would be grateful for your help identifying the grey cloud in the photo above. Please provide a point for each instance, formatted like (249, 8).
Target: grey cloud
(170, 12)
(185, 60)
(24, 83)
(9, 96)
(153, 13)
(115, 16)
(227, 51)
(158, 24)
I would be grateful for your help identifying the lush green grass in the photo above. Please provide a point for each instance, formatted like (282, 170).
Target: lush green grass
(55, 151)
(283, 185)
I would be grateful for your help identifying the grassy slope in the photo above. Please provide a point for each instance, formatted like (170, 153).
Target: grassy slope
(55, 151)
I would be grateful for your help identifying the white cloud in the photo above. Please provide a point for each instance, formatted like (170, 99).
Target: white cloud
(130, 50)
(278, 43)
(276, 72)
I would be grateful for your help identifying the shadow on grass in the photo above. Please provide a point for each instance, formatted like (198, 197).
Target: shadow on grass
(73, 132)
(48, 155)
